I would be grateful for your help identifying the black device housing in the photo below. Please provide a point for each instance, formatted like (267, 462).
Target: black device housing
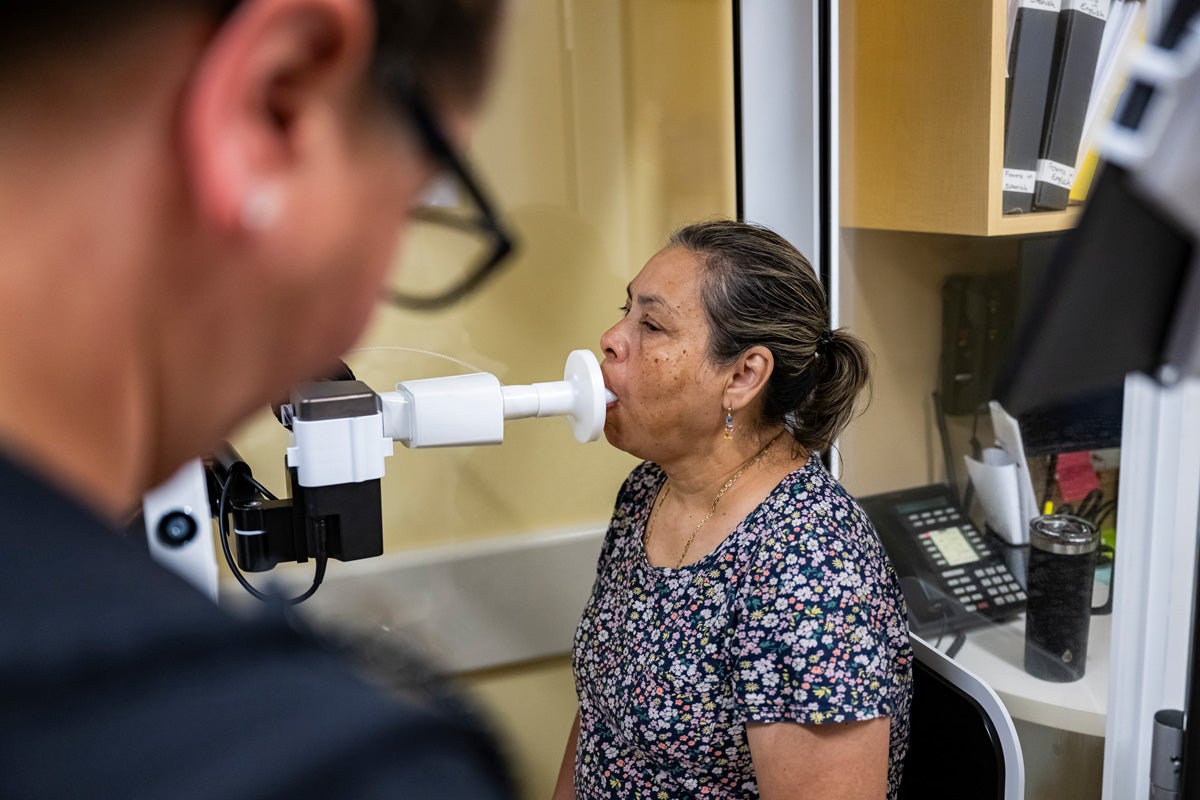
(342, 521)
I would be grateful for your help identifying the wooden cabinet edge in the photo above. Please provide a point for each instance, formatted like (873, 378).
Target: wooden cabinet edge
(1001, 225)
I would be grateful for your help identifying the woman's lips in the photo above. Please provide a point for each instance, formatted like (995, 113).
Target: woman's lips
(610, 397)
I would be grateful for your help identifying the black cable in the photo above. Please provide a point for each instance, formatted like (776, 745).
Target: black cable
(976, 445)
(264, 491)
(940, 607)
(956, 645)
(1105, 511)
(1090, 504)
(977, 454)
(939, 415)
(1094, 508)
(242, 469)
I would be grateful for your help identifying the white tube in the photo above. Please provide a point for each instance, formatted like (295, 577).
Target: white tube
(520, 402)
(558, 397)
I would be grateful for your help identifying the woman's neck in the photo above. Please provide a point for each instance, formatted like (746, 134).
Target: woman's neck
(697, 477)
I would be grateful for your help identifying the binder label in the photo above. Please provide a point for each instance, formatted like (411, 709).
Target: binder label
(1058, 174)
(1041, 5)
(1093, 8)
(1019, 180)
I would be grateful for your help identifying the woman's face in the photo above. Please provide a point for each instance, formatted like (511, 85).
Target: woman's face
(669, 395)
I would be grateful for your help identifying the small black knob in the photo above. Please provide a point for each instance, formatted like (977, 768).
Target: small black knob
(176, 529)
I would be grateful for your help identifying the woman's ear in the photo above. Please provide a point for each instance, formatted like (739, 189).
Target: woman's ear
(749, 377)
(275, 71)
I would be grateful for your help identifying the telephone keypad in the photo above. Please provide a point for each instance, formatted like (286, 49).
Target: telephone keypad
(986, 586)
(953, 576)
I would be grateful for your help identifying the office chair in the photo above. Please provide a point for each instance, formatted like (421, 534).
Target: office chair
(962, 741)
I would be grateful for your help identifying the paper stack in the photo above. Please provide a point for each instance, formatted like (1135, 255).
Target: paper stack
(1002, 480)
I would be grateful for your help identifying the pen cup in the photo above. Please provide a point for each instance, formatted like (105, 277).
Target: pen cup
(1062, 564)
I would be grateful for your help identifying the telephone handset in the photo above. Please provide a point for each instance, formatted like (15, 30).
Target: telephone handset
(951, 577)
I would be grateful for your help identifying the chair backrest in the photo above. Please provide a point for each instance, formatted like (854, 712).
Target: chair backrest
(962, 741)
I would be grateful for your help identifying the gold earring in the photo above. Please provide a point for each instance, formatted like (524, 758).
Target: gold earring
(729, 423)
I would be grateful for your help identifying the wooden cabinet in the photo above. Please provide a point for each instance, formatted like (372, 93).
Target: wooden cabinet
(923, 119)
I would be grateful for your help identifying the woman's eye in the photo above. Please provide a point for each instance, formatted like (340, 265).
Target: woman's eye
(645, 323)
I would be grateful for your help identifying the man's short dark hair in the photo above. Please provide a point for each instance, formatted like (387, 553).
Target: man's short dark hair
(445, 43)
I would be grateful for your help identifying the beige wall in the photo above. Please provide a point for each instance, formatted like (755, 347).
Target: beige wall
(533, 705)
(891, 296)
(611, 123)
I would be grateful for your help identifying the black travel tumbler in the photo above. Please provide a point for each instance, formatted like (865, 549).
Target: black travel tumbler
(1062, 563)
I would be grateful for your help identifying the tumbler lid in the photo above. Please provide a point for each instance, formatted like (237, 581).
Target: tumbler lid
(1063, 534)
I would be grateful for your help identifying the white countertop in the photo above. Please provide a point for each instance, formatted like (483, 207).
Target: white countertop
(996, 653)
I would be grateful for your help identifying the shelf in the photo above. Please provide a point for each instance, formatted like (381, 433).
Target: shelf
(923, 119)
(1037, 222)
(997, 654)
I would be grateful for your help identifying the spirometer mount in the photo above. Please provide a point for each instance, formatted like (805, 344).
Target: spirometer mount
(341, 433)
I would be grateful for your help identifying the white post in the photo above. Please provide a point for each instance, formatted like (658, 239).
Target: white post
(781, 150)
(1154, 576)
(780, 109)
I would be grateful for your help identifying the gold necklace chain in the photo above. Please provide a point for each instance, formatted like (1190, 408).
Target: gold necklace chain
(712, 509)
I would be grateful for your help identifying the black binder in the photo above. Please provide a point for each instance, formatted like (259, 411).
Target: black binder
(1029, 59)
(1076, 48)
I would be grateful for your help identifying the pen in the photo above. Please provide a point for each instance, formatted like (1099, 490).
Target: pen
(1047, 493)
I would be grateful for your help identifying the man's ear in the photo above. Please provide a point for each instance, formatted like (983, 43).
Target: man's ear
(271, 67)
(749, 377)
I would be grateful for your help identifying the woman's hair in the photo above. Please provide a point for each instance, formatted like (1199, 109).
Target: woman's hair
(446, 44)
(759, 290)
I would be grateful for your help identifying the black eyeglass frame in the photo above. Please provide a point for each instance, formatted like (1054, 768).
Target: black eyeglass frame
(485, 222)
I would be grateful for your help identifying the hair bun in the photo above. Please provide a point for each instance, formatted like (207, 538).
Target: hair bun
(824, 340)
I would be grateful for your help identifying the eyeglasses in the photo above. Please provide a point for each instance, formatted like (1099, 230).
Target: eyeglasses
(467, 221)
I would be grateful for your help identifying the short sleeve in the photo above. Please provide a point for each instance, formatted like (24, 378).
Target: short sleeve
(817, 615)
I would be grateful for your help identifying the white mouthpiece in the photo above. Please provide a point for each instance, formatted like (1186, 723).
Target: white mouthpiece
(580, 396)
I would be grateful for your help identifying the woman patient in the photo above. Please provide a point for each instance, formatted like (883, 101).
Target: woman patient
(746, 635)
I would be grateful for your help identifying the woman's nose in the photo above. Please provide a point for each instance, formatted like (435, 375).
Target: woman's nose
(612, 344)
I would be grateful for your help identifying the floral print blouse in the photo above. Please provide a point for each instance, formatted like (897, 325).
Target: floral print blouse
(796, 616)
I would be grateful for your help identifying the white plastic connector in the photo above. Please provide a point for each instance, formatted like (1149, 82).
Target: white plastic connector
(327, 452)
(443, 412)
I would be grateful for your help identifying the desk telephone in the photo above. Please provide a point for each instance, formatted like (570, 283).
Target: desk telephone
(951, 576)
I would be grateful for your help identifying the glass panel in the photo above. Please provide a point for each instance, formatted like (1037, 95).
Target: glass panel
(441, 248)
(934, 276)
(609, 125)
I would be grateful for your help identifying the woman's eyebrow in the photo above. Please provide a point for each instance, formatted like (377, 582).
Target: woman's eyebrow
(650, 300)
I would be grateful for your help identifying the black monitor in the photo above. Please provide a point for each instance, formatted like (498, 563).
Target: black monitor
(1081, 420)
(1105, 307)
